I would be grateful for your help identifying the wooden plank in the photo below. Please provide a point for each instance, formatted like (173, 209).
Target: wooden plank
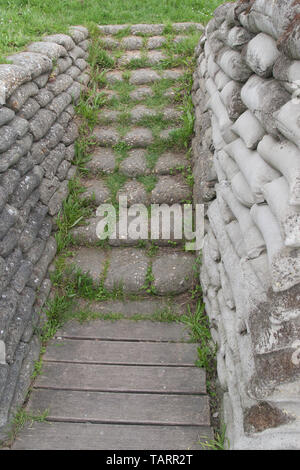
(119, 352)
(85, 436)
(64, 405)
(125, 330)
(122, 378)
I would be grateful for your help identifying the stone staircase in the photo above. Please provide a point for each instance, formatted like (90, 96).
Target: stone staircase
(129, 384)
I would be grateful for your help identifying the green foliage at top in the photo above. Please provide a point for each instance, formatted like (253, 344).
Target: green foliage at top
(23, 21)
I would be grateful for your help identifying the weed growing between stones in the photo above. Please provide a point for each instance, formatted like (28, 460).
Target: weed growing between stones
(21, 419)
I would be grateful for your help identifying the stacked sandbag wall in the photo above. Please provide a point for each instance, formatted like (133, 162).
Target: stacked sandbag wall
(38, 90)
(246, 154)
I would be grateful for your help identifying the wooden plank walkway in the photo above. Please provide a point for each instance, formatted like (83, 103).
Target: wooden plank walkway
(119, 385)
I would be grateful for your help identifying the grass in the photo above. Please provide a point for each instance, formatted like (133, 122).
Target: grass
(220, 441)
(21, 419)
(23, 21)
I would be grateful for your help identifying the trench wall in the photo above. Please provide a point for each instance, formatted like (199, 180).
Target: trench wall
(38, 90)
(247, 172)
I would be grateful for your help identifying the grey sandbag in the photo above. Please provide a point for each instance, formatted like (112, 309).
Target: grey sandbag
(249, 129)
(241, 190)
(288, 120)
(285, 157)
(261, 54)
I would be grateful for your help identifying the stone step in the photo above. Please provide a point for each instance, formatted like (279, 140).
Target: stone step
(161, 309)
(168, 189)
(136, 137)
(139, 112)
(75, 436)
(105, 160)
(124, 330)
(144, 76)
(138, 94)
(132, 58)
(130, 269)
(149, 29)
(134, 43)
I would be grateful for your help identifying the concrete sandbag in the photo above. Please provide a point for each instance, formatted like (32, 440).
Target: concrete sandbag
(253, 239)
(261, 267)
(261, 54)
(228, 165)
(236, 238)
(217, 138)
(233, 64)
(211, 265)
(249, 129)
(286, 70)
(221, 175)
(231, 97)
(237, 37)
(241, 190)
(212, 66)
(263, 97)
(285, 157)
(277, 196)
(211, 87)
(269, 228)
(288, 120)
(225, 212)
(212, 244)
(255, 170)
(221, 80)
(226, 287)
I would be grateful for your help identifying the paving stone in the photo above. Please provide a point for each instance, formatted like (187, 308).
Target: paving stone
(139, 137)
(170, 113)
(173, 273)
(127, 268)
(153, 29)
(129, 56)
(106, 136)
(90, 260)
(170, 161)
(114, 77)
(170, 190)
(140, 93)
(135, 164)
(87, 234)
(174, 74)
(96, 190)
(141, 111)
(103, 160)
(132, 43)
(156, 57)
(155, 42)
(144, 76)
(108, 116)
(135, 192)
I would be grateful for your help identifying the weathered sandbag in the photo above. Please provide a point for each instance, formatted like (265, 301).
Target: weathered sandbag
(211, 86)
(212, 66)
(238, 37)
(231, 97)
(256, 171)
(269, 227)
(289, 42)
(285, 269)
(241, 190)
(229, 322)
(228, 164)
(212, 244)
(221, 369)
(214, 43)
(249, 129)
(221, 13)
(288, 120)
(233, 64)
(261, 267)
(224, 210)
(221, 80)
(217, 138)
(277, 196)
(236, 238)
(221, 175)
(226, 287)
(286, 70)
(261, 54)
(263, 97)
(211, 265)
(254, 241)
(203, 67)
(285, 157)
(204, 279)
(215, 311)
(218, 108)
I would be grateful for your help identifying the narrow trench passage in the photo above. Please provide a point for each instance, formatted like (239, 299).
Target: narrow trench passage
(124, 375)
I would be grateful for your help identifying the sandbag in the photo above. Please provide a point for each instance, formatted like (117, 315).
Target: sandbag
(226, 287)
(288, 120)
(260, 54)
(217, 138)
(228, 165)
(238, 37)
(221, 175)
(285, 157)
(231, 97)
(249, 129)
(255, 170)
(236, 238)
(233, 64)
(253, 239)
(277, 196)
(211, 265)
(221, 80)
(241, 190)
